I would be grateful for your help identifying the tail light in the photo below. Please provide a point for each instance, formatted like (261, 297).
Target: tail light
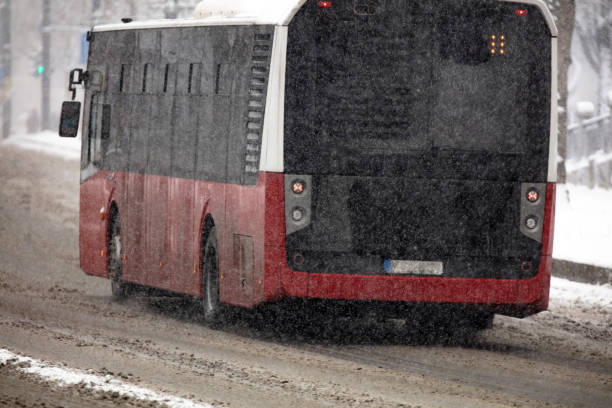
(533, 206)
(298, 187)
(531, 222)
(297, 214)
(298, 195)
(533, 195)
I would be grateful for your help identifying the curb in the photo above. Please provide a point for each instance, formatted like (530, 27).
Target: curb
(581, 272)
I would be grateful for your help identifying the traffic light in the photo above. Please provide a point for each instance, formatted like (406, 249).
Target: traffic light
(40, 70)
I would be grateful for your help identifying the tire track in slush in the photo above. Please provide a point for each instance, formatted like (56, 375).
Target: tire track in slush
(559, 392)
(64, 377)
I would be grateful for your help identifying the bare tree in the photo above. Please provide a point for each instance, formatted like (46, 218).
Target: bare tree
(564, 12)
(5, 66)
(594, 31)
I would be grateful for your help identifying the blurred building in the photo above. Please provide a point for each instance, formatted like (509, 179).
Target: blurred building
(589, 140)
(590, 74)
(45, 39)
(62, 24)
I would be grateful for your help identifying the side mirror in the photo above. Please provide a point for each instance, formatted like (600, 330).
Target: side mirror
(69, 121)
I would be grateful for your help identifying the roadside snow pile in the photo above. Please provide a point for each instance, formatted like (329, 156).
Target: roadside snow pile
(565, 291)
(66, 377)
(47, 142)
(583, 225)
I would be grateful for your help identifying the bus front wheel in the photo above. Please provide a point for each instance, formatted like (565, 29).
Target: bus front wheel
(119, 288)
(213, 308)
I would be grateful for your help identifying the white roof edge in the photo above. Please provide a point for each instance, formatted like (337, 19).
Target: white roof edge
(550, 20)
(187, 22)
(223, 12)
(278, 12)
(259, 12)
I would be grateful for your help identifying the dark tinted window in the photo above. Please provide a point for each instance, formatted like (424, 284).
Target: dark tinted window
(179, 99)
(125, 77)
(106, 121)
(420, 89)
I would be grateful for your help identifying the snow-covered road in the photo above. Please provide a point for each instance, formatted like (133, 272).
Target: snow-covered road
(51, 312)
(583, 223)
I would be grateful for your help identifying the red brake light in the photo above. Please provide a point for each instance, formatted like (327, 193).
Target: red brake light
(298, 187)
(533, 196)
(518, 12)
(325, 4)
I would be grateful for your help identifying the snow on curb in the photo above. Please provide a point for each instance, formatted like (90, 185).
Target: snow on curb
(566, 291)
(47, 142)
(583, 225)
(67, 377)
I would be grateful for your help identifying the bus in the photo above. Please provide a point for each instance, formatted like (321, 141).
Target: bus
(375, 152)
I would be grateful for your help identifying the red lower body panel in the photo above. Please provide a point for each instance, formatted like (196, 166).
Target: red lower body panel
(529, 294)
(166, 251)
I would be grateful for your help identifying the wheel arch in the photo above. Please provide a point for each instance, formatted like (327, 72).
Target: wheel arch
(207, 223)
(113, 216)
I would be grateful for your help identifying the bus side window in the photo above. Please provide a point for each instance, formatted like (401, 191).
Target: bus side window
(223, 79)
(188, 81)
(168, 78)
(193, 85)
(125, 76)
(208, 77)
(111, 145)
(147, 79)
(182, 79)
(94, 131)
(106, 122)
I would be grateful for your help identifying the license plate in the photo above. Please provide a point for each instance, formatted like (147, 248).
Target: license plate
(413, 267)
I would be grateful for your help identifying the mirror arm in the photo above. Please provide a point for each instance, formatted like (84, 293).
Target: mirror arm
(77, 77)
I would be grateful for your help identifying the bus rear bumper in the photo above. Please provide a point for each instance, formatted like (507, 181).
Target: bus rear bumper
(507, 296)
(514, 297)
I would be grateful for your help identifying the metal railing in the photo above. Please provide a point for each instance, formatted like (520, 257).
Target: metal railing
(589, 148)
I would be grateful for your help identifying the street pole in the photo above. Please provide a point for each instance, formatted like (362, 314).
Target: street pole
(96, 12)
(6, 65)
(46, 57)
(171, 9)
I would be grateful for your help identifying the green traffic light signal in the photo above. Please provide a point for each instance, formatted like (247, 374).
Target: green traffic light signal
(40, 70)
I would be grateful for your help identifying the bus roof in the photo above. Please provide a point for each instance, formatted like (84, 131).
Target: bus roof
(265, 12)
(223, 12)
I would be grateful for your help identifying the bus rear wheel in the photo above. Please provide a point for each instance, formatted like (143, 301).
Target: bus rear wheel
(481, 320)
(119, 289)
(213, 308)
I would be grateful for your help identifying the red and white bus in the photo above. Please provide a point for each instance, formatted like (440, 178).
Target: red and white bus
(387, 151)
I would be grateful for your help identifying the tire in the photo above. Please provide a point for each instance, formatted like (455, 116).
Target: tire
(473, 320)
(482, 321)
(213, 308)
(119, 289)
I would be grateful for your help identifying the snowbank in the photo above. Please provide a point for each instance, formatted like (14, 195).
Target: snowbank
(583, 225)
(47, 142)
(63, 376)
(566, 291)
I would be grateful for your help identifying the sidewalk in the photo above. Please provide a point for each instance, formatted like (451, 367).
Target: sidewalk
(47, 142)
(583, 224)
(581, 272)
